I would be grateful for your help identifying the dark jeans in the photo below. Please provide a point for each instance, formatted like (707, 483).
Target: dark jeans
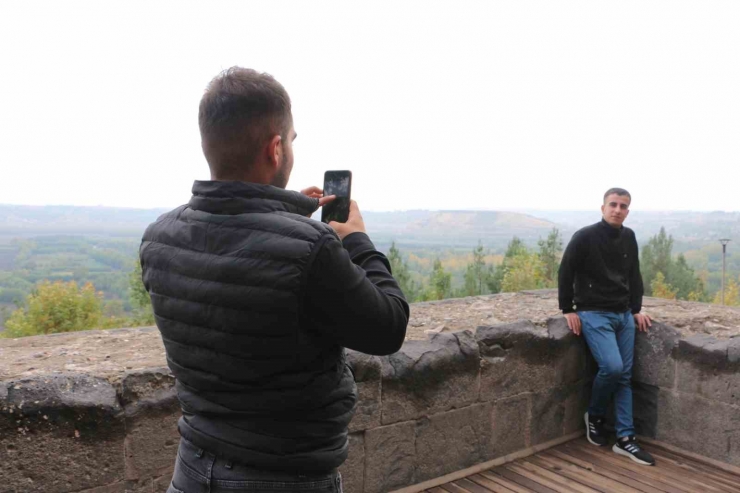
(198, 471)
(611, 339)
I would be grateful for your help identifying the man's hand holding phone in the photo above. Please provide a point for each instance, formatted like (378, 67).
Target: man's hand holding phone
(355, 223)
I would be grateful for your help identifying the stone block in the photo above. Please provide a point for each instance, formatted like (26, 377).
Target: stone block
(705, 427)
(510, 425)
(70, 423)
(119, 487)
(547, 420)
(429, 377)
(390, 457)
(453, 440)
(366, 370)
(704, 369)
(519, 357)
(353, 469)
(576, 405)
(151, 444)
(645, 408)
(150, 389)
(654, 363)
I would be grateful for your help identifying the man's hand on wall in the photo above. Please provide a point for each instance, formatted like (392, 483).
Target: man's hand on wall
(643, 322)
(354, 223)
(574, 323)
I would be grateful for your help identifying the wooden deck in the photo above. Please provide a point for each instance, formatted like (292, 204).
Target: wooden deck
(577, 466)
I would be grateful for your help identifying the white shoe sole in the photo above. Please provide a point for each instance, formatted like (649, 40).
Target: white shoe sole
(585, 418)
(619, 451)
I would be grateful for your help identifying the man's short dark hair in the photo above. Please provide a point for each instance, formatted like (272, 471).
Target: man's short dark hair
(239, 112)
(619, 191)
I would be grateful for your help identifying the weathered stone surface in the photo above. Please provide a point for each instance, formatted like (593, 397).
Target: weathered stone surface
(428, 377)
(645, 408)
(654, 363)
(576, 405)
(148, 389)
(119, 487)
(517, 358)
(366, 370)
(151, 444)
(160, 484)
(700, 425)
(570, 351)
(353, 469)
(390, 457)
(548, 413)
(704, 369)
(510, 425)
(453, 440)
(733, 351)
(55, 393)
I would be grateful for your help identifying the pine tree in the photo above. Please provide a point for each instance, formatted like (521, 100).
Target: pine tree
(477, 273)
(551, 250)
(402, 274)
(440, 282)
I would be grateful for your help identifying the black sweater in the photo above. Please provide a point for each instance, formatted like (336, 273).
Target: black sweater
(600, 270)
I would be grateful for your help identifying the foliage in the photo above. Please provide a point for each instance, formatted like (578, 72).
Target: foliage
(140, 299)
(400, 271)
(440, 283)
(732, 294)
(523, 271)
(550, 252)
(57, 307)
(662, 289)
(478, 274)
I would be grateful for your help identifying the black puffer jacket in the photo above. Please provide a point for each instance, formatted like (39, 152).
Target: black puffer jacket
(227, 275)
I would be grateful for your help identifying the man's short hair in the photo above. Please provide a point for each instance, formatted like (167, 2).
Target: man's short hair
(619, 191)
(240, 111)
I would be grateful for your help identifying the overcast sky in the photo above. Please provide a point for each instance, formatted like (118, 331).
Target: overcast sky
(432, 105)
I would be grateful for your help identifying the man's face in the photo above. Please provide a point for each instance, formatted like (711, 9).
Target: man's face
(286, 160)
(615, 210)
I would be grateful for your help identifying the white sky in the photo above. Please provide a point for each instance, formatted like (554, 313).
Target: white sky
(432, 105)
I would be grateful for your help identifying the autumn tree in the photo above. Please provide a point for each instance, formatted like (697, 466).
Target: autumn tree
(550, 251)
(477, 273)
(440, 283)
(402, 274)
(661, 289)
(139, 296)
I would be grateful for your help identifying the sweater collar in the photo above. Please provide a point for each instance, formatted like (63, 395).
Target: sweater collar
(611, 230)
(236, 197)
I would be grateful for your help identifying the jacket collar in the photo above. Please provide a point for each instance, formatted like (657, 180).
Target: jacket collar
(236, 197)
(611, 230)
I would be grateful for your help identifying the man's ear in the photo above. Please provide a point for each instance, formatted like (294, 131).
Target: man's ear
(274, 151)
(602, 210)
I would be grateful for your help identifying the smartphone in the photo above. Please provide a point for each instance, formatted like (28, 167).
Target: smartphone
(337, 183)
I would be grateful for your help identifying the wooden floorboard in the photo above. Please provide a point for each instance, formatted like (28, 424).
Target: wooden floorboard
(579, 467)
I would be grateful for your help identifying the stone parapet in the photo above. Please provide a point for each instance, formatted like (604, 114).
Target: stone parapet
(437, 406)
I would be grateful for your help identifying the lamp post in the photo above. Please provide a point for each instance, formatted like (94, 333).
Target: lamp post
(724, 242)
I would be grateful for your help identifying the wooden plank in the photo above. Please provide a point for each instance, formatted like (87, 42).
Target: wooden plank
(598, 472)
(702, 479)
(550, 479)
(583, 476)
(637, 469)
(603, 464)
(453, 488)
(505, 482)
(524, 481)
(472, 487)
(698, 468)
(453, 476)
(579, 476)
(679, 476)
(487, 483)
(436, 489)
(723, 466)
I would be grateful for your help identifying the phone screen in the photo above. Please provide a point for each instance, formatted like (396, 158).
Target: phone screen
(337, 183)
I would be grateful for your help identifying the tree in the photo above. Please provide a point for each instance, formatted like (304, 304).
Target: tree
(551, 250)
(57, 307)
(662, 289)
(140, 299)
(515, 247)
(477, 273)
(440, 282)
(656, 258)
(732, 294)
(402, 274)
(523, 271)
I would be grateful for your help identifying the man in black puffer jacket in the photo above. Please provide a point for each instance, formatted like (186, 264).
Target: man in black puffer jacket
(256, 303)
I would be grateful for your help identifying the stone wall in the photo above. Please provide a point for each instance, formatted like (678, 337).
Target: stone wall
(687, 392)
(437, 406)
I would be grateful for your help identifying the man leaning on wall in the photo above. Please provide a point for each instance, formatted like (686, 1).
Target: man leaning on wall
(600, 293)
(256, 302)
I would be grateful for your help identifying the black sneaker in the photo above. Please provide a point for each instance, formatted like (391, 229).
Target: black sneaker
(632, 449)
(595, 432)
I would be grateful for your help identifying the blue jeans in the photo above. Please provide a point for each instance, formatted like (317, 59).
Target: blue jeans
(198, 471)
(611, 339)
